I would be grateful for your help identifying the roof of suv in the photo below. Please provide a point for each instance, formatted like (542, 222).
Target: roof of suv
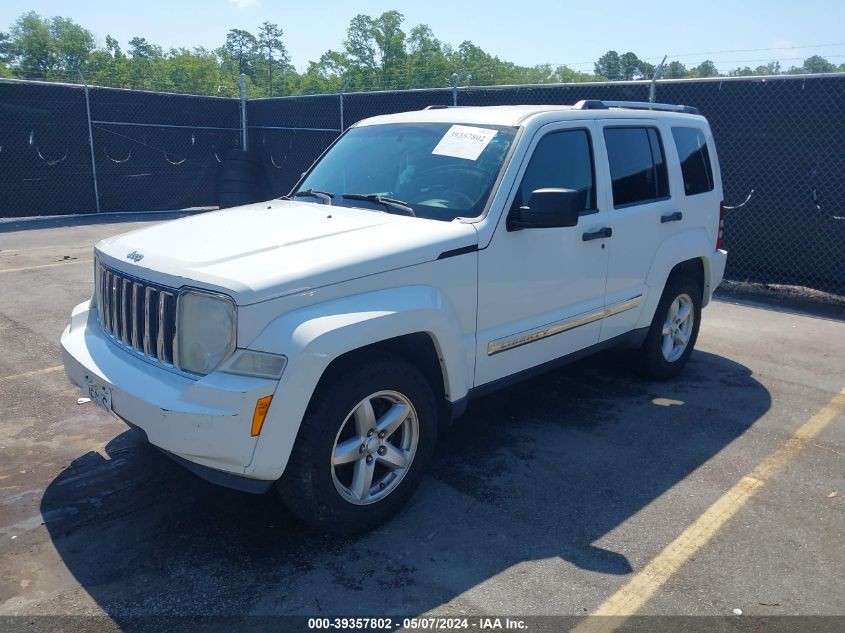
(515, 114)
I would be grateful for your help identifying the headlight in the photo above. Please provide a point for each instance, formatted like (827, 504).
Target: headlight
(205, 330)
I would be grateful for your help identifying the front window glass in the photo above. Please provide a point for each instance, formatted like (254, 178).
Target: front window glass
(440, 170)
(562, 160)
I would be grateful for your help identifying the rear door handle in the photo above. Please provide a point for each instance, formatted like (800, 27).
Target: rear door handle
(598, 234)
(675, 216)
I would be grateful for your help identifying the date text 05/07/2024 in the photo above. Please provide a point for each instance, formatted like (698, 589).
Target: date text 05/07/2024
(420, 623)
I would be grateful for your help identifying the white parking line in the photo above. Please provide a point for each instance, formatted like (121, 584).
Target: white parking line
(613, 612)
(18, 270)
(28, 374)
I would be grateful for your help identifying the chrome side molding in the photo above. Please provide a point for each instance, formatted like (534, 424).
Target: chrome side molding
(544, 331)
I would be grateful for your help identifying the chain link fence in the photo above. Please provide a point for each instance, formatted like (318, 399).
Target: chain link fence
(779, 139)
(72, 148)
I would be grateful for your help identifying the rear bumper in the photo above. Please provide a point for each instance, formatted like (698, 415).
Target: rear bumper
(204, 422)
(717, 271)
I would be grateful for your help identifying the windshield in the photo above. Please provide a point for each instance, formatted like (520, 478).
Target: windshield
(440, 170)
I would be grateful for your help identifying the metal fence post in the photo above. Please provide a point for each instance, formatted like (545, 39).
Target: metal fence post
(90, 140)
(458, 78)
(653, 86)
(342, 90)
(244, 131)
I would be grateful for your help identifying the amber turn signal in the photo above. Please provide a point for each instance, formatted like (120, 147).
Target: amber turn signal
(261, 408)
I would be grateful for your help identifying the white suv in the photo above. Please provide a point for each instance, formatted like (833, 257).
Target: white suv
(319, 342)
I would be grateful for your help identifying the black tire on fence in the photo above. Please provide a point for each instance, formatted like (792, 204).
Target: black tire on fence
(238, 179)
(239, 170)
(227, 200)
(239, 154)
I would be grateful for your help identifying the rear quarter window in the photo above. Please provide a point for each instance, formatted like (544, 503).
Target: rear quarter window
(696, 169)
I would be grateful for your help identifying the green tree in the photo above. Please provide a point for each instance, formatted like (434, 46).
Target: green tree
(565, 74)
(705, 69)
(375, 49)
(772, 68)
(48, 48)
(609, 65)
(325, 75)
(274, 57)
(428, 63)
(675, 70)
(745, 71)
(6, 55)
(30, 46)
(629, 66)
(72, 43)
(113, 47)
(818, 64)
(140, 48)
(195, 70)
(241, 50)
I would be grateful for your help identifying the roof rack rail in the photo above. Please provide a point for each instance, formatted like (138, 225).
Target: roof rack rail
(441, 107)
(596, 104)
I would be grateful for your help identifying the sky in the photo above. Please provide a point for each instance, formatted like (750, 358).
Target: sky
(528, 32)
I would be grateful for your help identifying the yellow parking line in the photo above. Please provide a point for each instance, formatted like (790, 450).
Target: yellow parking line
(639, 590)
(29, 374)
(65, 263)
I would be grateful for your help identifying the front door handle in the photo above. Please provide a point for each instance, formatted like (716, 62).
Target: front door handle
(675, 216)
(598, 234)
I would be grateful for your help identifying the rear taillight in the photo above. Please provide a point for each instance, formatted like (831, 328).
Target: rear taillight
(721, 232)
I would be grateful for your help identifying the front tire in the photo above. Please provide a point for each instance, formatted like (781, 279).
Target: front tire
(364, 445)
(674, 329)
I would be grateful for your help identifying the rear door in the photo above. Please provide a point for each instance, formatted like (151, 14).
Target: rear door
(642, 214)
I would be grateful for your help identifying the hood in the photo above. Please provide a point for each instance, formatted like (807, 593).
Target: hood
(275, 248)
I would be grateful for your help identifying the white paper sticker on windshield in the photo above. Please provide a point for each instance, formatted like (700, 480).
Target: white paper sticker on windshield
(463, 141)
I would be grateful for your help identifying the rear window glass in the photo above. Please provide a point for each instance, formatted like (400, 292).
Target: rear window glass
(637, 165)
(695, 160)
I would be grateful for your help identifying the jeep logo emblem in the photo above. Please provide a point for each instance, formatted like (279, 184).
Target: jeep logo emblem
(135, 256)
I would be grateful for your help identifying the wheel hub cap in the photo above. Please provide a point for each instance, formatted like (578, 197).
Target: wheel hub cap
(677, 329)
(374, 447)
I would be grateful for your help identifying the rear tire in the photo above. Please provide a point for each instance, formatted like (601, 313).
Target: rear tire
(343, 477)
(673, 331)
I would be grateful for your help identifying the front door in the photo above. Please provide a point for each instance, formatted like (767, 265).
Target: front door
(541, 291)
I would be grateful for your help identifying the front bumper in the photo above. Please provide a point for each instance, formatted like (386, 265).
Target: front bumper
(204, 421)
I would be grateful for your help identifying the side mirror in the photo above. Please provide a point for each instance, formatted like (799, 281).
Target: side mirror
(548, 208)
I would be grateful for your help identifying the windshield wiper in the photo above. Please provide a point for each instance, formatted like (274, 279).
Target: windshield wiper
(325, 196)
(390, 204)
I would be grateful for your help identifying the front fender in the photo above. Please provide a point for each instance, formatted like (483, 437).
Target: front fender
(312, 337)
(683, 246)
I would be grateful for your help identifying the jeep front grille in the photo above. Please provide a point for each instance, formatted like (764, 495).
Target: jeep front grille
(137, 314)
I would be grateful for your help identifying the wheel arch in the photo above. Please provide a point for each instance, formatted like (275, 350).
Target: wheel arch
(414, 322)
(420, 349)
(689, 253)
